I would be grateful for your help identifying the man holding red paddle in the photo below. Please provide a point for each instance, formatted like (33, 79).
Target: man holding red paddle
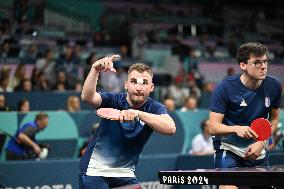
(239, 100)
(111, 156)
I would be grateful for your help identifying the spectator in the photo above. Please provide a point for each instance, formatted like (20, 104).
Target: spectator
(190, 63)
(4, 83)
(23, 145)
(178, 92)
(170, 104)
(46, 64)
(190, 104)
(25, 86)
(68, 62)
(23, 106)
(73, 104)
(137, 45)
(60, 87)
(78, 86)
(29, 55)
(3, 106)
(6, 51)
(208, 87)
(19, 75)
(193, 88)
(61, 80)
(41, 83)
(202, 143)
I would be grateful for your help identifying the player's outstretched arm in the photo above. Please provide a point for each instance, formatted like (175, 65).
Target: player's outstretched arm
(89, 92)
(163, 124)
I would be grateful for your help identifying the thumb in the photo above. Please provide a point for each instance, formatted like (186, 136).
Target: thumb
(248, 150)
(112, 70)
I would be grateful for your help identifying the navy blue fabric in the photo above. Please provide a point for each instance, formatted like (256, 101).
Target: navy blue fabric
(228, 159)
(241, 105)
(116, 144)
(15, 147)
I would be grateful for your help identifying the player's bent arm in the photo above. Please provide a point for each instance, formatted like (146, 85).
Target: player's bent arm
(216, 127)
(274, 118)
(89, 94)
(163, 124)
(24, 139)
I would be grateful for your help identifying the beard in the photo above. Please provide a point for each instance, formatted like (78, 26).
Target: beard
(137, 99)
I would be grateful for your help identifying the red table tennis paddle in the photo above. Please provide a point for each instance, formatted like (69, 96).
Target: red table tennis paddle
(109, 113)
(262, 127)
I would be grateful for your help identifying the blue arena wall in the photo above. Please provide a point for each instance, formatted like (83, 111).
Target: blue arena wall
(63, 174)
(67, 131)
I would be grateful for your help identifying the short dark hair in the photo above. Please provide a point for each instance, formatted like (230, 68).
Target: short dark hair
(41, 116)
(21, 103)
(251, 49)
(203, 124)
(140, 68)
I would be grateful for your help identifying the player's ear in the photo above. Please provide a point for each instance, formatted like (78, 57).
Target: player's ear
(243, 66)
(125, 85)
(152, 87)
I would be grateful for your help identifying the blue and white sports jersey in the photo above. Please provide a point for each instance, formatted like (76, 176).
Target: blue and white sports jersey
(241, 106)
(116, 146)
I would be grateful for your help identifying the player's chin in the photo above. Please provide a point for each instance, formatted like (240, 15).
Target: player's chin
(261, 77)
(138, 99)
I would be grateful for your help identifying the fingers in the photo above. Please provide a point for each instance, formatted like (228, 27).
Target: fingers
(121, 116)
(115, 57)
(248, 133)
(127, 115)
(250, 154)
(253, 151)
(106, 63)
(255, 136)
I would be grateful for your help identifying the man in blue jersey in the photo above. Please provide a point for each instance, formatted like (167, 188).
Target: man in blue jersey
(111, 156)
(23, 145)
(236, 102)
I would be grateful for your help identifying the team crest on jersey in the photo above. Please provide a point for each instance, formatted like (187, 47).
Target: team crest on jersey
(243, 103)
(267, 102)
(142, 123)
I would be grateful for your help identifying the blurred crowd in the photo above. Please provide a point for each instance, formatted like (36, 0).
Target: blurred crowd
(35, 58)
(194, 31)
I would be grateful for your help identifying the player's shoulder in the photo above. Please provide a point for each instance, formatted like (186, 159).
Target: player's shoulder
(153, 102)
(153, 105)
(229, 81)
(30, 124)
(271, 80)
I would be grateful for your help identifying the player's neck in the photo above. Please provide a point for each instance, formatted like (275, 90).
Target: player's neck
(250, 82)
